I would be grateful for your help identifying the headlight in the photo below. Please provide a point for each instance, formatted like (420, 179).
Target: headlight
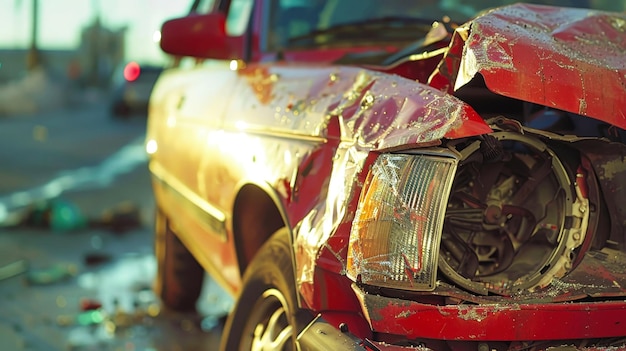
(397, 228)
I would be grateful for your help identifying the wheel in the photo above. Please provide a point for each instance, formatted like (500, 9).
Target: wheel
(264, 317)
(179, 276)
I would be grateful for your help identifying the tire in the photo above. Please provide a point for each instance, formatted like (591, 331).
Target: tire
(264, 317)
(179, 276)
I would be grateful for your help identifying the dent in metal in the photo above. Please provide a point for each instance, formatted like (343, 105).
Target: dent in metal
(352, 111)
(570, 59)
(385, 112)
(470, 322)
(315, 229)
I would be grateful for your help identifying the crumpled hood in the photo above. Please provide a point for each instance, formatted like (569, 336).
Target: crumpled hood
(569, 59)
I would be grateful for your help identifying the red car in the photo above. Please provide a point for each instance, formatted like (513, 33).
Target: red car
(396, 175)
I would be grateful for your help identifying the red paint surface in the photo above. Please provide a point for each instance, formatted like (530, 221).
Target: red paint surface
(509, 322)
(569, 59)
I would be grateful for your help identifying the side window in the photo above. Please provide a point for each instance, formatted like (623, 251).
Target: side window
(238, 16)
(292, 18)
(202, 6)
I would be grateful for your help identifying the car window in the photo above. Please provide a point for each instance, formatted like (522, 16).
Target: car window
(295, 18)
(202, 6)
(290, 18)
(238, 16)
(331, 22)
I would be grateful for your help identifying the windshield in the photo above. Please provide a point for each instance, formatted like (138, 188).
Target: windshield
(302, 23)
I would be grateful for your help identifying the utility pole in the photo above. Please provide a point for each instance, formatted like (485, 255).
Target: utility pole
(33, 58)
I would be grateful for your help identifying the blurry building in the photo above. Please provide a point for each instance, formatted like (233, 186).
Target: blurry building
(90, 64)
(101, 51)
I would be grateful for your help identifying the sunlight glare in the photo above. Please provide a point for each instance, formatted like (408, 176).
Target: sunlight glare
(151, 147)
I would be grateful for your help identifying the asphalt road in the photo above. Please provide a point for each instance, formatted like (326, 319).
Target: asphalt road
(86, 165)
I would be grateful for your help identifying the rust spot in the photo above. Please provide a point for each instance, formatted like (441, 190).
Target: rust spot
(404, 314)
(618, 23)
(367, 101)
(334, 77)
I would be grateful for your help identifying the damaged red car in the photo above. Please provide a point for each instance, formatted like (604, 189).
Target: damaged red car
(396, 175)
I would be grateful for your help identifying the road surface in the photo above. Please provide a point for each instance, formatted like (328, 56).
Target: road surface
(83, 164)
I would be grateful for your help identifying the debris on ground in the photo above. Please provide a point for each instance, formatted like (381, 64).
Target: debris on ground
(13, 269)
(89, 304)
(57, 214)
(61, 215)
(120, 218)
(50, 275)
(97, 258)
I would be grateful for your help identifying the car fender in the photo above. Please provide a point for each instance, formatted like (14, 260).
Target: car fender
(322, 122)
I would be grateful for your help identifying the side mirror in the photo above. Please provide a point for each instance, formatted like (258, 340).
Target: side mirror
(202, 36)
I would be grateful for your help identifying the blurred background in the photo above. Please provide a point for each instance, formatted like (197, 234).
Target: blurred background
(76, 205)
(88, 35)
(79, 44)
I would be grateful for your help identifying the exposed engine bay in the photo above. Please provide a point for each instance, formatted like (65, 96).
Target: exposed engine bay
(525, 207)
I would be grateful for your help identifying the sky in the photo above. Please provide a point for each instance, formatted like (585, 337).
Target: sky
(61, 22)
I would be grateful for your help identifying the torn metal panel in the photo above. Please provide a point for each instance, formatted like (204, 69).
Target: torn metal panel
(315, 229)
(608, 162)
(389, 111)
(600, 274)
(565, 58)
(375, 110)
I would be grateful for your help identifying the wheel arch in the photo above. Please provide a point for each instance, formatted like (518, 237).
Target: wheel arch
(257, 214)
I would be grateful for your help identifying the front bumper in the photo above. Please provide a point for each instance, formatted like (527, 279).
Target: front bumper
(560, 325)
(494, 322)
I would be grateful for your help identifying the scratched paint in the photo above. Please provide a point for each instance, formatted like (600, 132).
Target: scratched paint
(371, 110)
(570, 59)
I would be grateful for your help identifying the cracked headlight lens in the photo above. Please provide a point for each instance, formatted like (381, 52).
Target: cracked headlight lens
(397, 228)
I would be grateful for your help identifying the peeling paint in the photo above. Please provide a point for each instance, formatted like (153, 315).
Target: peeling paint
(404, 314)
(611, 168)
(367, 101)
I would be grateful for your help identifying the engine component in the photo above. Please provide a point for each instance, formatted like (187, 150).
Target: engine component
(514, 217)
